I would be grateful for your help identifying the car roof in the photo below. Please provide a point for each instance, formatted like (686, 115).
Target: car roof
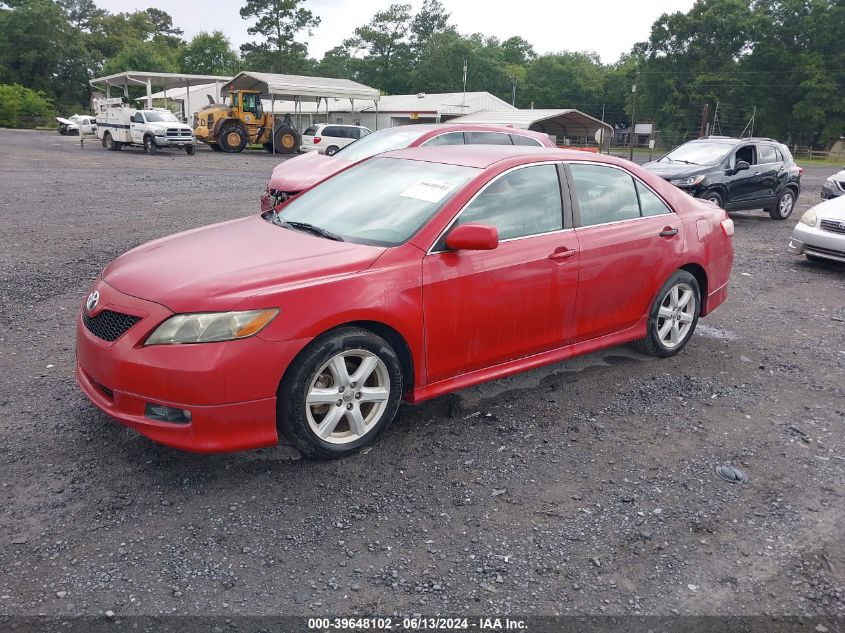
(483, 156)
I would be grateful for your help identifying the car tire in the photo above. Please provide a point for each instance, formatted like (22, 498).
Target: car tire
(331, 150)
(232, 139)
(784, 206)
(190, 150)
(322, 376)
(287, 140)
(150, 146)
(670, 310)
(110, 144)
(713, 196)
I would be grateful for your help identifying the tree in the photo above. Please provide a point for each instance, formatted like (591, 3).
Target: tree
(432, 18)
(209, 54)
(337, 62)
(81, 13)
(142, 56)
(279, 21)
(387, 52)
(41, 50)
(567, 79)
(22, 107)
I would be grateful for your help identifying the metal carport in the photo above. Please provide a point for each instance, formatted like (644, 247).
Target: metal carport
(164, 81)
(298, 88)
(560, 123)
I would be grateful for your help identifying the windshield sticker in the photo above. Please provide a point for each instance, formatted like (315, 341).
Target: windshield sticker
(429, 190)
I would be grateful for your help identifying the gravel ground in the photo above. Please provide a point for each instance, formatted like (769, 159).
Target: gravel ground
(586, 487)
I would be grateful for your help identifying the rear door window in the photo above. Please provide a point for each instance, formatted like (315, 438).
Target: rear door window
(605, 194)
(311, 131)
(489, 138)
(452, 138)
(332, 130)
(766, 154)
(650, 203)
(518, 139)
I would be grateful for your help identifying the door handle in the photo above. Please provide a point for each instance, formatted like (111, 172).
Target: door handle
(668, 231)
(562, 253)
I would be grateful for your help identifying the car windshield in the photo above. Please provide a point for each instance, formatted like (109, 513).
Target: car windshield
(378, 143)
(698, 153)
(381, 202)
(160, 117)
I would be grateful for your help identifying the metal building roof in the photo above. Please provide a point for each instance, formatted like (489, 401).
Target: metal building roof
(456, 103)
(304, 88)
(561, 123)
(159, 80)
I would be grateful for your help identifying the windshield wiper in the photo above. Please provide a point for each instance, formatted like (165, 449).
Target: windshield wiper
(678, 160)
(310, 228)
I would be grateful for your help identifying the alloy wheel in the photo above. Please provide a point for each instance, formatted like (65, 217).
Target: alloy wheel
(785, 205)
(347, 396)
(676, 314)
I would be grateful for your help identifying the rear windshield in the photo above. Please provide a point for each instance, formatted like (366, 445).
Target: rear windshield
(311, 131)
(380, 142)
(698, 153)
(382, 202)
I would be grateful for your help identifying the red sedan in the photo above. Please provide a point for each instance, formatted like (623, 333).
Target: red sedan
(297, 174)
(407, 276)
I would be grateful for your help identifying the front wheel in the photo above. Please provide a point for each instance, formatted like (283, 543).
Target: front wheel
(339, 394)
(784, 205)
(673, 316)
(150, 145)
(190, 150)
(715, 197)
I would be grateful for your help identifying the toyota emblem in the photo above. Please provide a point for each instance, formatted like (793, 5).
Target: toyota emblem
(92, 300)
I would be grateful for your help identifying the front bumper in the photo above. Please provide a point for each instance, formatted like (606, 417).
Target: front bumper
(163, 141)
(815, 241)
(229, 388)
(829, 192)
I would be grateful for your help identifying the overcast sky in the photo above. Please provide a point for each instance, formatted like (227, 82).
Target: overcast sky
(607, 27)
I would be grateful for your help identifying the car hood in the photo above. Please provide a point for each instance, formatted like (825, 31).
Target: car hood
(301, 172)
(216, 267)
(673, 171)
(833, 209)
(840, 175)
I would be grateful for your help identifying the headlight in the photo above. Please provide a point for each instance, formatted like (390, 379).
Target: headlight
(829, 182)
(688, 182)
(210, 327)
(158, 132)
(809, 218)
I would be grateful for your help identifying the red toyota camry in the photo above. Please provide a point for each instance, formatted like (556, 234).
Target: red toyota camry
(406, 276)
(299, 173)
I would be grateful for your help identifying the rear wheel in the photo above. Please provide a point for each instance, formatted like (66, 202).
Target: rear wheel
(150, 145)
(232, 139)
(673, 316)
(110, 144)
(331, 150)
(784, 205)
(340, 393)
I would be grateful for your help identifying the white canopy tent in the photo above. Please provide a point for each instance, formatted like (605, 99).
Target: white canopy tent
(163, 81)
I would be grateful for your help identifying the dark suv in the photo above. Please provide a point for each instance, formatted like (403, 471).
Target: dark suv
(735, 173)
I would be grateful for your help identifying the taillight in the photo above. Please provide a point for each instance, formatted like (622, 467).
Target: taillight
(728, 227)
(317, 139)
(800, 171)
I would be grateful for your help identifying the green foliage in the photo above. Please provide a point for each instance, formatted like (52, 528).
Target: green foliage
(279, 22)
(209, 54)
(22, 107)
(138, 55)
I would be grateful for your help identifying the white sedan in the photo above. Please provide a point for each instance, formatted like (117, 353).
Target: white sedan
(820, 234)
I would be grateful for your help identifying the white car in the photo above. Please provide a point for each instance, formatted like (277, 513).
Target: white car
(328, 139)
(820, 234)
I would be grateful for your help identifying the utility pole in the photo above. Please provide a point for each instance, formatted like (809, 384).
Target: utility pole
(705, 124)
(632, 135)
(464, 97)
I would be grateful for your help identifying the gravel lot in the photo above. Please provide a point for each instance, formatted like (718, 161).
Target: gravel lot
(586, 487)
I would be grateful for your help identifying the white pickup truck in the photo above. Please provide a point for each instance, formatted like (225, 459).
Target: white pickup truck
(151, 129)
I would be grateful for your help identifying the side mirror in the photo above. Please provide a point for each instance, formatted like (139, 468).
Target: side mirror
(473, 237)
(741, 165)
